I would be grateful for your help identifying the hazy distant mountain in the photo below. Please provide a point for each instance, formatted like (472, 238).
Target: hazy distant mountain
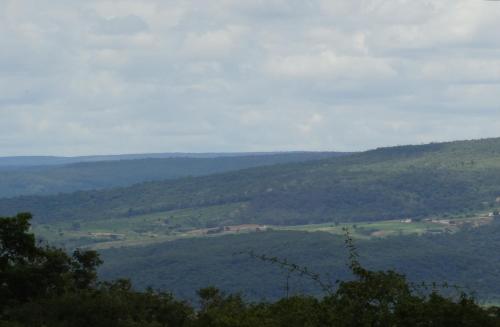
(405, 181)
(48, 175)
(28, 161)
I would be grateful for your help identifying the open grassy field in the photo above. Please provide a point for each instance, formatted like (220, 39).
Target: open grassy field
(138, 230)
(216, 221)
(367, 230)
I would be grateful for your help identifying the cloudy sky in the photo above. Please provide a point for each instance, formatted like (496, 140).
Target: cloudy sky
(96, 76)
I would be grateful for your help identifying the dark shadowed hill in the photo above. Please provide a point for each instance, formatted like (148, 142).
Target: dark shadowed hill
(404, 181)
(468, 259)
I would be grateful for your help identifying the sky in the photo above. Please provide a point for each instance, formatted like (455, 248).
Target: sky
(80, 77)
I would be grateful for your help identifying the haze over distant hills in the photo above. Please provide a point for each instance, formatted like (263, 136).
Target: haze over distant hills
(414, 181)
(52, 175)
(29, 161)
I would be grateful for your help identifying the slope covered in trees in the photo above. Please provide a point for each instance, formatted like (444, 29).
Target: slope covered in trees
(50, 178)
(406, 181)
(468, 258)
(37, 161)
(44, 286)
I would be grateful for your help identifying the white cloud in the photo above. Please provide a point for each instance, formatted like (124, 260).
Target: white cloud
(329, 65)
(214, 44)
(130, 24)
(109, 76)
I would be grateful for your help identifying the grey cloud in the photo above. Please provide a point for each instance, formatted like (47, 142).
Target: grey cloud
(129, 24)
(81, 77)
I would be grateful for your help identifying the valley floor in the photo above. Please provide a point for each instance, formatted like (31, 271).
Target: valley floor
(180, 224)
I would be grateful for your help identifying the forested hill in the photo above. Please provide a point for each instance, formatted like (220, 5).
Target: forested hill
(467, 259)
(414, 181)
(91, 173)
(37, 161)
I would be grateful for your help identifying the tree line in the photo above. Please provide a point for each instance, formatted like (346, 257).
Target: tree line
(44, 286)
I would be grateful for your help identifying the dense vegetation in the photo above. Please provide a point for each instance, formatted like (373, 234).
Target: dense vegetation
(52, 179)
(43, 286)
(407, 181)
(37, 161)
(468, 258)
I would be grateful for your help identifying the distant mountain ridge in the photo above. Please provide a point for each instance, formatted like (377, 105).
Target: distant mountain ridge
(54, 177)
(29, 161)
(406, 181)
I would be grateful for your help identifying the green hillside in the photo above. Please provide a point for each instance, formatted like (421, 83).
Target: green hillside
(50, 178)
(388, 183)
(38, 161)
(468, 259)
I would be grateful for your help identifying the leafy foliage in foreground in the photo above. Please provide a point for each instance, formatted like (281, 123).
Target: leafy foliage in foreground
(388, 183)
(70, 295)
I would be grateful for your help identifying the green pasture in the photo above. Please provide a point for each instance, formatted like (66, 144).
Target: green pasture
(176, 224)
(136, 230)
(366, 230)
